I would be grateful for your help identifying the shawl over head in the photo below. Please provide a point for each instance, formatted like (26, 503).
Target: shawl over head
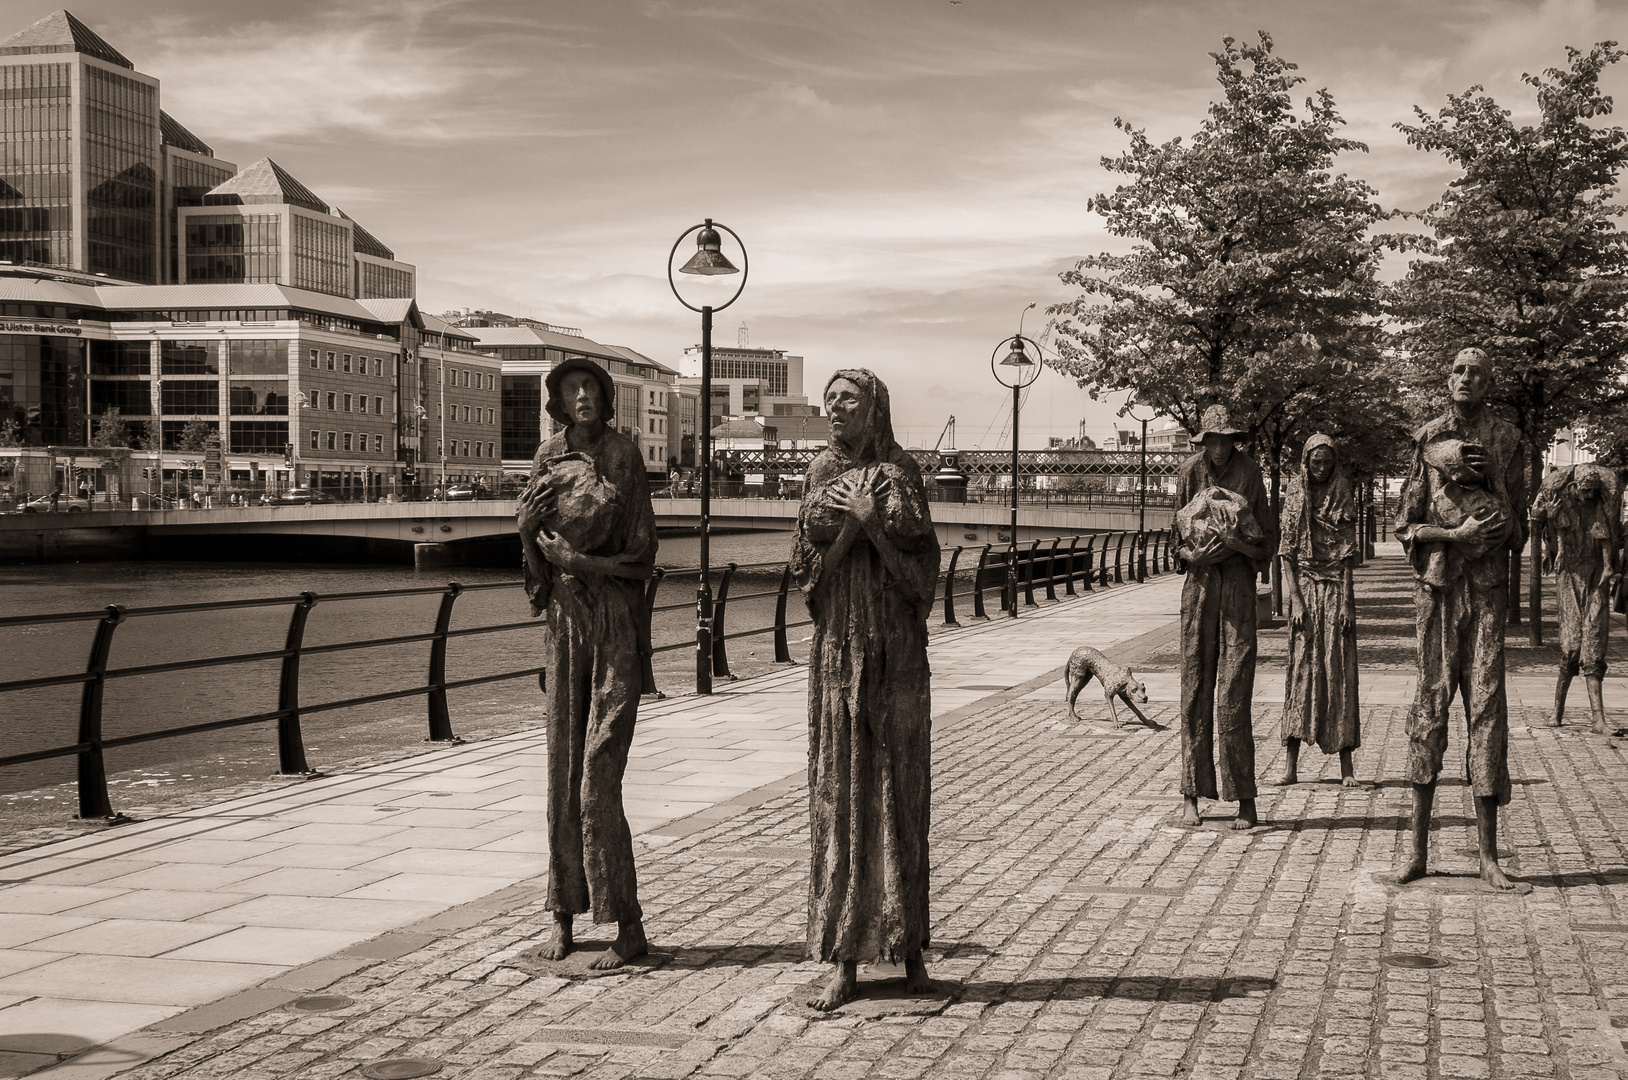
(878, 446)
(1335, 505)
(1560, 499)
(556, 405)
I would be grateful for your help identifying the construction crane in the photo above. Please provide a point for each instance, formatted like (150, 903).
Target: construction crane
(949, 429)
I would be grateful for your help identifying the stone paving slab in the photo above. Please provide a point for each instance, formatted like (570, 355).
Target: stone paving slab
(150, 921)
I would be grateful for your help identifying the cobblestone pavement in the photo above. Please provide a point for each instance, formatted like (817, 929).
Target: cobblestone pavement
(1079, 930)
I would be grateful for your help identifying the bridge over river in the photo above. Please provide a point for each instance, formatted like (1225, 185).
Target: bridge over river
(478, 532)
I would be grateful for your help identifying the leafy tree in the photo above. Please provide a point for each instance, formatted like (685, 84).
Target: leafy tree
(11, 433)
(111, 430)
(1529, 262)
(195, 436)
(151, 438)
(1251, 278)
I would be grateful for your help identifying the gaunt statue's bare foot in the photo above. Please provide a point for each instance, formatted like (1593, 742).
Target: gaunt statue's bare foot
(1246, 815)
(1189, 811)
(1353, 782)
(1348, 771)
(560, 943)
(629, 943)
(1291, 764)
(1412, 870)
(841, 989)
(915, 976)
(1555, 720)
(1492, 875)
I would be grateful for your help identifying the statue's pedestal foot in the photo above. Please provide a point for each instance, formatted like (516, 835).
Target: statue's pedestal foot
(578, 963)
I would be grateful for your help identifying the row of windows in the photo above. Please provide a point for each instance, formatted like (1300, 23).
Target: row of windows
(335, 399)
(452, 414)
(344, 440)
(321, 256)
(342, 362)
(491, 449)
(487, 383)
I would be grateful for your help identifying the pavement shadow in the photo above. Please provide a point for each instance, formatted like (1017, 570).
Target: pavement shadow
(787, 952)
(1575, 880)
(1387, 823)
(1148, 988)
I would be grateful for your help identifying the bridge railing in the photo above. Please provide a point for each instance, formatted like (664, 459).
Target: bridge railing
(1016, 571)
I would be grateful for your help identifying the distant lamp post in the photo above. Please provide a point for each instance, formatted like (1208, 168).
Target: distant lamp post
(708, 261)
(1142, 482)
(1017, 371)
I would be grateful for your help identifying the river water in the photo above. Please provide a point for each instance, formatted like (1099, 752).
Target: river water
(47, 717)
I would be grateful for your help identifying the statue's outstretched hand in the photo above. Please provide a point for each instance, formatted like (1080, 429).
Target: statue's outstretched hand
(532, 508)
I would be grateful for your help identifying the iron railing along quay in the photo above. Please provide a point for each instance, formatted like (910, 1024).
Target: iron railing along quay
(1016, 569)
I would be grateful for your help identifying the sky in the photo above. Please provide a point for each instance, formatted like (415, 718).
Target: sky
(907, 175)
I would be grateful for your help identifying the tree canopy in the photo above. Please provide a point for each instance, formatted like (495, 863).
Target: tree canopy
(1527, 260)
(1251, 278)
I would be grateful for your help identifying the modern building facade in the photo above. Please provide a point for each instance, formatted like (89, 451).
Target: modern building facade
(747, 381)
(528, 349)
(93, 170)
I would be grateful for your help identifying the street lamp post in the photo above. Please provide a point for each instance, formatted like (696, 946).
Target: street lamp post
(1024, 372)
(1141, 488)
(708, 261)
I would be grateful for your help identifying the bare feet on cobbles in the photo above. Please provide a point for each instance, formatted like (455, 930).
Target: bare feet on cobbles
(1494, 877)
(1189, 812)
(1246, 815)
(1412, 870)
(629, 944)
(842, 987)
(1291, 775)
(1353, 782)
(560, 944)
(915, 977)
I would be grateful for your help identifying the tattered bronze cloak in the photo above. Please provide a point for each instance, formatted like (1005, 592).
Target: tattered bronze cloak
(1320, 534)
(1588, 536)
(869, 728)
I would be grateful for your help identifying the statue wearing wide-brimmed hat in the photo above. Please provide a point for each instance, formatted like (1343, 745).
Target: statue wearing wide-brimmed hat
(1225, 530)
(589, 536)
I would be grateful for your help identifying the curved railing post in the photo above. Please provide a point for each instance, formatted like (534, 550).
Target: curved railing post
(720, 653)
(1051, 569)
(978, 585)
(1028, 575)
(949, 589)
(1119, 559)
(93, 799)
(1068, 577)
(1167, 545)
(1090, 549)
(1141, 556)
(647, 673)
(440, 719)
(1102, 561)
(290, 744)
(782, 648)
(1009, 594)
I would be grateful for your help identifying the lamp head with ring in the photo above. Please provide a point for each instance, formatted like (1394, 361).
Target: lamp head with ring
(709, 260)
(1020, 368)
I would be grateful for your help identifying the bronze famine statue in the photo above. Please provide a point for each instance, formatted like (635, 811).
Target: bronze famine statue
(1319, 551)
(1459, 518)
(1576, 515)
(866, 558)
(1224, 532)
(589, 537)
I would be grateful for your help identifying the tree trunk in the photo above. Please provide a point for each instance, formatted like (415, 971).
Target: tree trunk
(1275, 571)
(1535, 594)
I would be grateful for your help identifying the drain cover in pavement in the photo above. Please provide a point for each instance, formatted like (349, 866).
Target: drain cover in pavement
(1412, 960)
(323, 1003)
(400, 1068)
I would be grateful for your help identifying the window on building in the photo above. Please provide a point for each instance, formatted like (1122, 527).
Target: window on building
(257, 357)
(332, 441)
(466, 414)
(361, 403)
(330, 401)
(330, 361)
(188, 358)
(477, 449)
(314, 358)
(347, 403)
(347, 440)
(489, 448)
(466, 448)
(378, 406)
(345, 363)
(188, 398)
(316, 440)
(378, 444)
(259, 436)
(119, 357)
(378, 367)
(466, 377)
(261, 398)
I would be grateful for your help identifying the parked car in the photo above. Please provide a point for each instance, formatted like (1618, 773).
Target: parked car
(44, 504)
(458, 493)
(302, 496)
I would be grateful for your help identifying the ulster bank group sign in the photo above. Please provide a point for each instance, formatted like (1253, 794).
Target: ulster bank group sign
(36, 326)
